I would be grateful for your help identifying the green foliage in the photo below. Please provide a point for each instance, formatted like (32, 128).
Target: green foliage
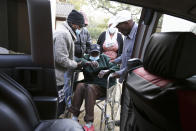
(77, 3)
(62, 1)
(95, 29)
(109, 7)
(95, 32)
(113, 7)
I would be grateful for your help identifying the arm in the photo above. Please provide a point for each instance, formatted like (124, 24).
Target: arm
(101, 40)
(85, 40)
(62, 48)
(88, 37)
(84, 61)
(88, 42)
(121, 72)
(111, 67)
(118, 60)
(120, 43)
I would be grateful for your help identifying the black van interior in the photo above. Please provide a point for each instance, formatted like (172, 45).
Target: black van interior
(159, 93)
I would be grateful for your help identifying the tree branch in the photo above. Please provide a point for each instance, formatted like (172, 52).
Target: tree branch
(107, 9)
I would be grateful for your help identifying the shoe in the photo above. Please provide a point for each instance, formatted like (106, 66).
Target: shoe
(89, 129)
(67, 114)
(62, 116)
(117, 123)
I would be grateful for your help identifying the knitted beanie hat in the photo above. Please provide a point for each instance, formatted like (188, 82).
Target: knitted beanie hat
(76, 17)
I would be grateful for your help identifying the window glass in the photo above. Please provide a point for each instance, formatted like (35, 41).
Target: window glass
(14, 27)
(169, 23)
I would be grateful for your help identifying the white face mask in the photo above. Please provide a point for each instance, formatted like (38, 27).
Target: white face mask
(78, 31)
(94, 58)
(112, 30)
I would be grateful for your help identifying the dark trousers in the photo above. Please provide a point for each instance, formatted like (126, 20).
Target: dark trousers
(90, 93)
(126, 116)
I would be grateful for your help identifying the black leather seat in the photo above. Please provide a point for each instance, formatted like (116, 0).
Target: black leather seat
(163, 90)
(18, 112)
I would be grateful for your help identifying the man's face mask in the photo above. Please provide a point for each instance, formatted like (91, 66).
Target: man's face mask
(76, 28)
(78, 31)
(94, 58)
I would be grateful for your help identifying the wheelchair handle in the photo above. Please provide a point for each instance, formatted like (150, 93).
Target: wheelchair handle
(108, 80)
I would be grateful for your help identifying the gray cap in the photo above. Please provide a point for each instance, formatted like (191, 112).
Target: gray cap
(94, 47)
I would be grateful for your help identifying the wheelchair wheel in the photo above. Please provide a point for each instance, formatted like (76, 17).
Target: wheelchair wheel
(115, 107)
(111, 109)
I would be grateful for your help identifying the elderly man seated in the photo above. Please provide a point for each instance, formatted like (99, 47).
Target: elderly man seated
(96, 68)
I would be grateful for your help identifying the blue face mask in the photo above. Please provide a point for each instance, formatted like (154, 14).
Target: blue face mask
(94, 58)
(78, 31)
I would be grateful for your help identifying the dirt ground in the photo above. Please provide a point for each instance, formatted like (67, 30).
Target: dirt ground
(97, 119)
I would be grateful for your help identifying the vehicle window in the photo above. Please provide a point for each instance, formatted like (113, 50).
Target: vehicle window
(169, 23)
(14, 27)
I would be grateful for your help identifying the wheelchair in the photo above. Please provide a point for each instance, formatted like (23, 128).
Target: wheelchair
(112, 102)
(108, 105)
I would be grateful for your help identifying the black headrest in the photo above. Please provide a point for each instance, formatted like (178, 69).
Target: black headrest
(171, 55)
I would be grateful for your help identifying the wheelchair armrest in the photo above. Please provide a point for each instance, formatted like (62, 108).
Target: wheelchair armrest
(133, 63)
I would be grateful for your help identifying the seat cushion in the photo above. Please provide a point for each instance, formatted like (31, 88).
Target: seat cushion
(161, 104)
(155, 101)
(17, 109)
(171, 55)
(59, 125)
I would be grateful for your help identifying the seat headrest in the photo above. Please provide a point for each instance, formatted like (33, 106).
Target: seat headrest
(171, 55)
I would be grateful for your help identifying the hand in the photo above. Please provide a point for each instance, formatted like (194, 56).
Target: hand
(116, 75)
(112, 61)
(79, 65)
(94, 64)
(102, 73)
(88, 63)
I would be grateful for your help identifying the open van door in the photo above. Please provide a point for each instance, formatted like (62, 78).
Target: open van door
(27, 51)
